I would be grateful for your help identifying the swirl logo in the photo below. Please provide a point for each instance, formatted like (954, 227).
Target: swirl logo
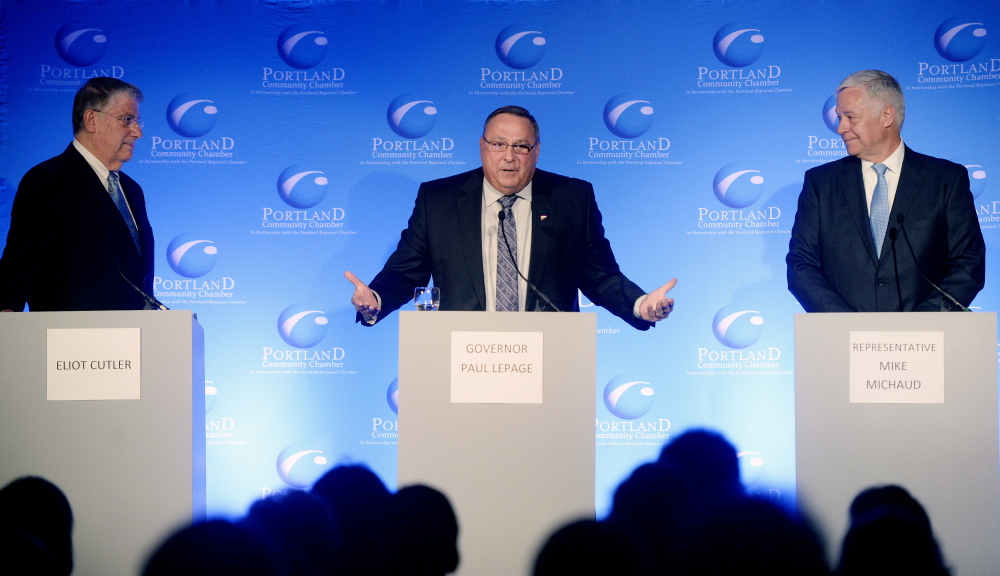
(300, 465)
(191, 256)
(520, 48)
(302, 188)
(302, 48)
(977, 179)
(738, 46)
(80, 45)
(211, 395)
(627, 397)
(830, 117)
(302, 326)
(751, 467)
(190, 116)
(737, 186)
(411, 117)
(957, 39)
(628, 117)
(392, 395)
(736, 327)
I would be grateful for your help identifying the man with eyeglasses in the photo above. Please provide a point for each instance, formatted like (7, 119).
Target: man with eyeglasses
(479, 232)
(79, 237)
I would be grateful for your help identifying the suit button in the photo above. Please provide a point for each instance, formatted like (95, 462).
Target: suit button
(881, 283)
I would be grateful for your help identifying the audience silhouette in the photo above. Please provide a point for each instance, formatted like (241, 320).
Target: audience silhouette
(37, 525)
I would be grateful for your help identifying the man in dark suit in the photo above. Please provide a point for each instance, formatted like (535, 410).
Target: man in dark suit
(79, 237)
(858, 216)
(551, 228)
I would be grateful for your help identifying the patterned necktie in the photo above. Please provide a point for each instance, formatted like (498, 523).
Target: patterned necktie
(880, 208)
(506, 270)
(116, 194)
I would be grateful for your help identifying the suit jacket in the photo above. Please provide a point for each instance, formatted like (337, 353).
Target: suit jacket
(569, 252)
(68, 247)
(832, 266)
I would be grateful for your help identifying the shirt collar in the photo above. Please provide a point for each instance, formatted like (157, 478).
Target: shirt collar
(491, 194)
(894, 162)
(98, 166)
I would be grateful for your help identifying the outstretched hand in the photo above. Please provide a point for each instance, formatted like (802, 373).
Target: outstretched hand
(363, 299)
(656, 306)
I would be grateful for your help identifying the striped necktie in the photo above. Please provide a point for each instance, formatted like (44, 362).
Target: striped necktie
(880, 208)
(506, 300)
(115, 190)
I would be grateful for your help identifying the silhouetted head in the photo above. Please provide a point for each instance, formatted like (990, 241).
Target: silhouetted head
(211, 548)
(708, 461)
(422, 533)
(39, 509)
(587, 548)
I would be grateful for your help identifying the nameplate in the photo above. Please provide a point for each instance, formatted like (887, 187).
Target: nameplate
(897, 367)
(496, 367)
(93, 363)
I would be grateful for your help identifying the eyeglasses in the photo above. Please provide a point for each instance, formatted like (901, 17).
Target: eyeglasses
(502, 147)
(127, 121)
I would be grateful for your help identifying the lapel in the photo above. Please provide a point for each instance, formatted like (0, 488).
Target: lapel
(469, 216)
(853, 187)
(116, 228)
(908, 188)
(543, 218)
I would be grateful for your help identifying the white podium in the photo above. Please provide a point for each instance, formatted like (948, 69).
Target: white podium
(132, 469)
(945, 454)
(513, 472)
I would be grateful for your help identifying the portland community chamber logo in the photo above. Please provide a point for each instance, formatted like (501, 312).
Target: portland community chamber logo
(301, 47)
(627, 116)
(300, 187)
(520, 48)
(302, 326)
(191, 256)
(411, 117)
(627, 397)
(392, 395)
(299, 465)
(977, 179)
(830, 116)
(191, 116)
(960, 39)
(737, 45)
(737, 327)
(80, 45)
(737, 185)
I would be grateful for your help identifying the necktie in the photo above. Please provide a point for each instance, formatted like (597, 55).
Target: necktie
(115, 190)
(880, 208)
(506, 270)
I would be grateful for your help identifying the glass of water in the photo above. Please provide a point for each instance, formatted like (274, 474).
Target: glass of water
(427, 298)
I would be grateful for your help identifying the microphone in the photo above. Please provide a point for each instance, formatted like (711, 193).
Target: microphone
(895, 266)
(517, 268)
(948, 297)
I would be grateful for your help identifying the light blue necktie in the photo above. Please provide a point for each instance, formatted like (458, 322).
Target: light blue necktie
(880, 208)
(506, 270)
(115, 190)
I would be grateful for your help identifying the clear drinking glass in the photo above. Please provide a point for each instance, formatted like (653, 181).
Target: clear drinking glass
(427, 298)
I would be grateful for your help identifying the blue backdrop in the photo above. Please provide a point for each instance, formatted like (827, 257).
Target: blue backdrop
(285, 141)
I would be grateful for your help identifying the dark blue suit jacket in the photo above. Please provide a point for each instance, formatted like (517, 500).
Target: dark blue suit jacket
(831, 259)
(568, 249)
(68, 248)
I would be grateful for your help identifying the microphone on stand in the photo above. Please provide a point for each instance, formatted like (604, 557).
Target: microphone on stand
(517, 269)
(895, 266)
(948, 297)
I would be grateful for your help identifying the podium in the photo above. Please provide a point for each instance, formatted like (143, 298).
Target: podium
(133, 470)
(944, 453)
(514, 472)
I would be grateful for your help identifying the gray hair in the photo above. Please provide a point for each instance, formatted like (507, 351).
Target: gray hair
(516, 111)
(97, 94)
(879, 87)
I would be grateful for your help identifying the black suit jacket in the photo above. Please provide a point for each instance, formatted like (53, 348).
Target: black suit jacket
(831, 259)
(68, 248)
(569, 252)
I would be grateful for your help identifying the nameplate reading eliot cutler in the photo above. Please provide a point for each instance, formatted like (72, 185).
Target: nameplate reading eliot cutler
(93, 363)
(496, 367)
(897, 367)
